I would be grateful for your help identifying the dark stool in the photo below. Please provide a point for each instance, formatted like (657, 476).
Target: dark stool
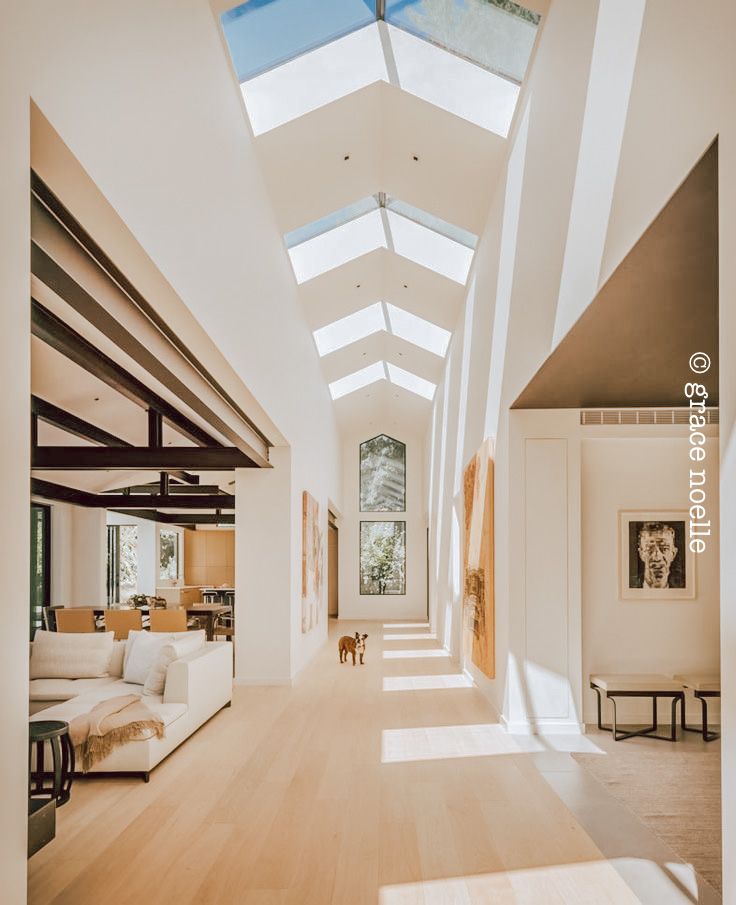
(56, 784)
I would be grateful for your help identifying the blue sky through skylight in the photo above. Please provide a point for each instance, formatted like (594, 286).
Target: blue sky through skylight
(496, 34)
(262, 34)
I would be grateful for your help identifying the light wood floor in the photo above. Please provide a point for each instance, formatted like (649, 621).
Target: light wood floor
(333, 792)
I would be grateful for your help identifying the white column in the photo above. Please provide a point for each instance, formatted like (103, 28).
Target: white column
(14, 449)
(263, 564)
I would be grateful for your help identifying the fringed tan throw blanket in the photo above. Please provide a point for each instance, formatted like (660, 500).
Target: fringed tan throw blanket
(110, 724)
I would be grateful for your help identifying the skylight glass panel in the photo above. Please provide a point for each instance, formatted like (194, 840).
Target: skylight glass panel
(428, 248)
(357, 380)
(456, 233)
(350, 329)
(336, 218)
(496, 34)
(417, 330)
(409, 381)
(262, 34)
(338, 246)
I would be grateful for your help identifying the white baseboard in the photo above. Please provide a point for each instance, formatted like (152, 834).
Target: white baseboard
(543, 727)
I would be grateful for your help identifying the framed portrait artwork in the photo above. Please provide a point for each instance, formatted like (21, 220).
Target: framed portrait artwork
(656, 562)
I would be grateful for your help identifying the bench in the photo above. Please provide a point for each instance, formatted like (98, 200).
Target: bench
(651, 686)
(702, 687)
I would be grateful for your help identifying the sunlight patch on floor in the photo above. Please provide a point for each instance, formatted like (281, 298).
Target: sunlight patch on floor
(424, 683)
(443, 742)
(423, 636)
(592, 882)
(414, 654)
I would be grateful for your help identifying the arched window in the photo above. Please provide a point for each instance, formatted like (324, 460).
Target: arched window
(382, 475)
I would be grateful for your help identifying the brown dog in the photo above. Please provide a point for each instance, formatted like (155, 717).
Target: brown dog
(355, 645)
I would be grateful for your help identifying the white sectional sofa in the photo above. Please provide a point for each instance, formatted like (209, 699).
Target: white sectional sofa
(196, 687)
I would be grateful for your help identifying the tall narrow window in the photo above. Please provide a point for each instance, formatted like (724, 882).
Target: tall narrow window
(40, 596)
(122, 562)
(383, 558)
(168, 555)
(382, 475)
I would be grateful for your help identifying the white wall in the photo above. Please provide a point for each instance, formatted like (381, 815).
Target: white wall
(352, 604)
(15, 36)
(78, 556)
(176, 160)
(676, 636)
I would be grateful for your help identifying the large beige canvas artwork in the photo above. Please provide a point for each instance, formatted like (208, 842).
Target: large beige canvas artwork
(312, 571)
(478, 600)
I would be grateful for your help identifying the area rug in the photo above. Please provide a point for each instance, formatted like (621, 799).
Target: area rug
(677, 794)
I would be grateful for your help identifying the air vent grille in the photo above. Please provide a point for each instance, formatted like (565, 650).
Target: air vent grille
(602, 417)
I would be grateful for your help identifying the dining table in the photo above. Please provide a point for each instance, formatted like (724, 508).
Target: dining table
(208, 612)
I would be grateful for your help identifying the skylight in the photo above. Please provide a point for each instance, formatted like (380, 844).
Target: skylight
(338, 246)
(336, 218)
(380, 222)
(417, 330)
(262, 34)
(437, 224)
(350, 329)
(409, 381)
(357, 380)
(381, 370)
(378, 317)
(495, 34)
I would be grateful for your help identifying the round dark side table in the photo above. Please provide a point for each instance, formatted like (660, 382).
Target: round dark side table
(52, 735)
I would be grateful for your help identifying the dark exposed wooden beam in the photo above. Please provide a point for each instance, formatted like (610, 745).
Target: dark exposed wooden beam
(169, 518)
(193, 518)
(78, 427)
(74, 227)
(55, 333)
(73, 424)
(56, 277)
(155, 489)
(155, 428)
(52, 491)
(90, 458)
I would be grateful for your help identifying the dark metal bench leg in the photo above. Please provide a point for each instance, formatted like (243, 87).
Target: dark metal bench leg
(673, 721)
(600, 715)
(707, 735)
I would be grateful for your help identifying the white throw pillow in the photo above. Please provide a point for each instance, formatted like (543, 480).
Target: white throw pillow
(116, 660)
(174, 650)
(71, 655)
(140, 655)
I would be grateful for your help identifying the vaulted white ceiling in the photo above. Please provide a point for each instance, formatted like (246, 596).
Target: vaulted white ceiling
(381, 112)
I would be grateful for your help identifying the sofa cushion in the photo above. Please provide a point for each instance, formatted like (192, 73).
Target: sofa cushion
(71, 655)
(64, 689)
(141, 652)
(67, 710)
(117, 659)
(156, 678)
